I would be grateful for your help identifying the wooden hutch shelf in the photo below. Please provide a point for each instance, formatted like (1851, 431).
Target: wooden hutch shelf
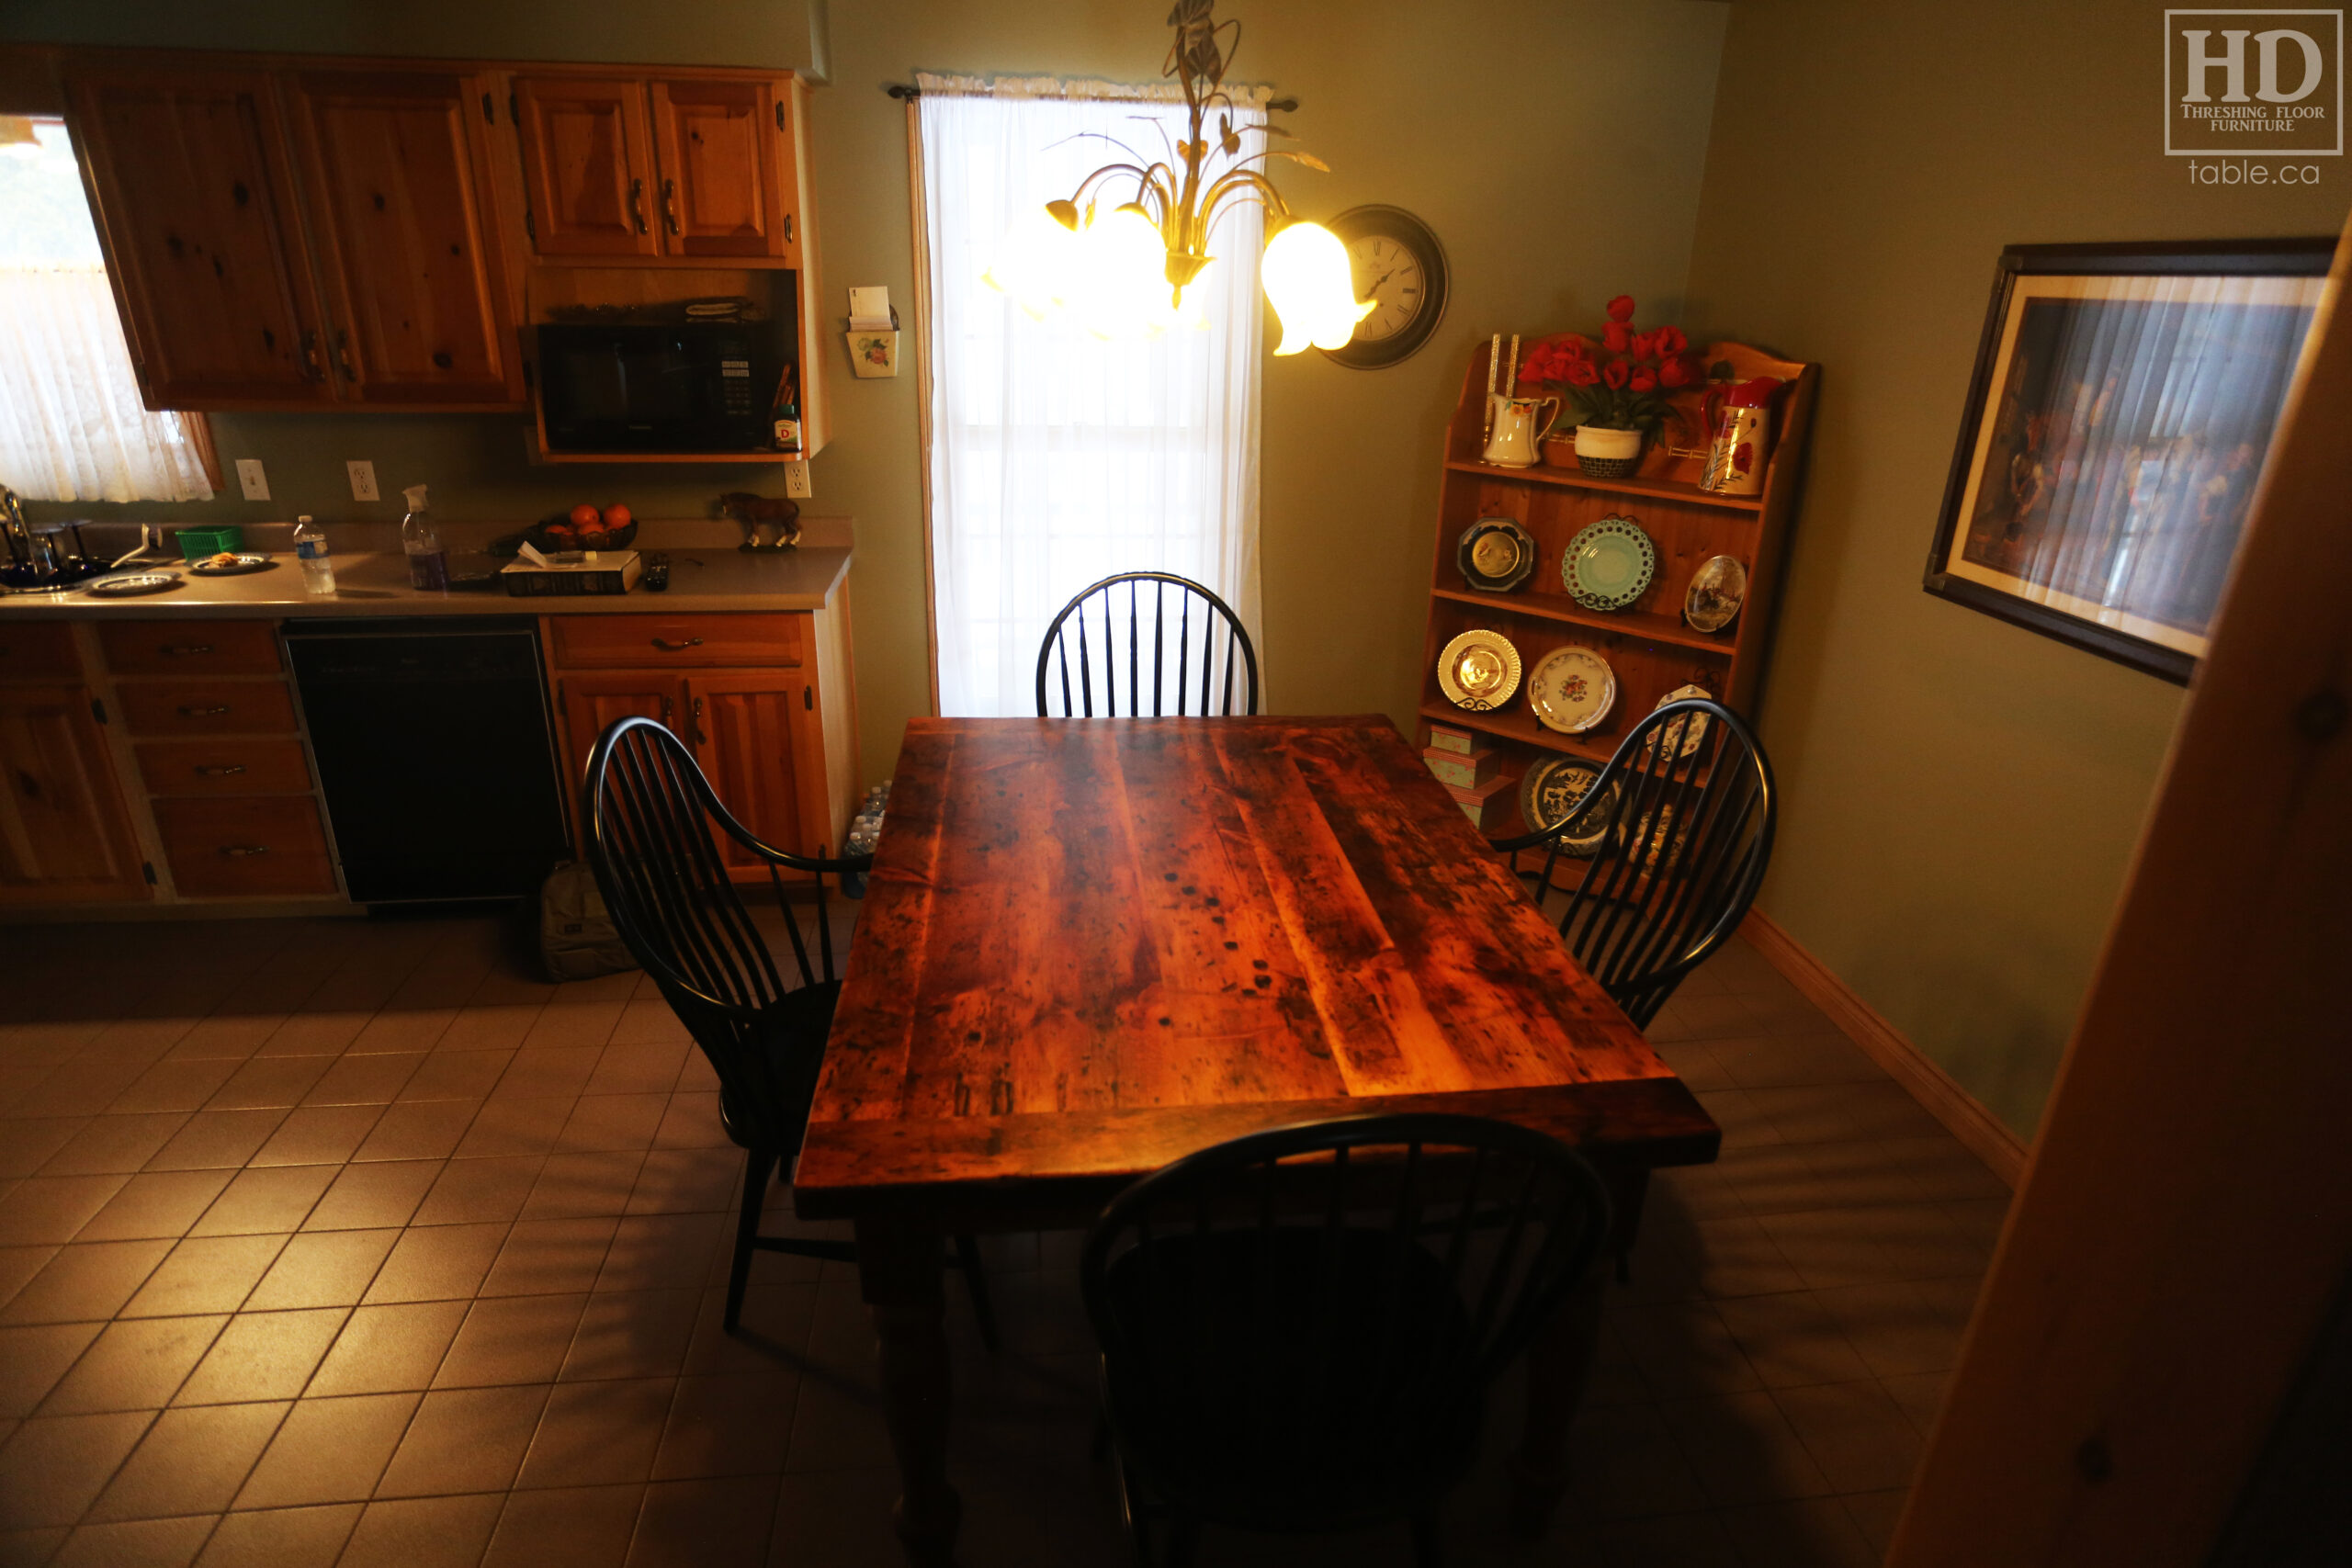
(1664, 490)
(1648, 645)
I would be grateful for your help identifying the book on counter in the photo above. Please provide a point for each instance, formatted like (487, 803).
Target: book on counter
(565, 574)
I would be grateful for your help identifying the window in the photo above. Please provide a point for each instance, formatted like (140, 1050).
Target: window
(72, 425)
(1057, 458)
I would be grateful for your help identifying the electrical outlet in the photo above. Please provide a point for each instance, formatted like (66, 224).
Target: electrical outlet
(250, 479)
(796, 479)
(363, 479)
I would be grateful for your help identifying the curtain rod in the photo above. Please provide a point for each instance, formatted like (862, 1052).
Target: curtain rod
(909, 92)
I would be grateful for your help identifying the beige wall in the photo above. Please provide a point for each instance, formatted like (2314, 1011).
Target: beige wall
(1555, 147)
(1961, 796)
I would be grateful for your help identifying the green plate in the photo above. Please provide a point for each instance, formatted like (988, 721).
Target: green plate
(1609, 565)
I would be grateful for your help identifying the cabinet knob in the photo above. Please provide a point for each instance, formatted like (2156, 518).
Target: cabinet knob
(700, 739)
(239, 852)
(187, 711)
(666, 646)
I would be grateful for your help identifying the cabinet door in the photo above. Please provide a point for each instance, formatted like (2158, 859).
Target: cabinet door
(194, 208)
(724, 155)
(592, 702)
(64, 835)
(395, 174)
(587, 170)
(758, 740)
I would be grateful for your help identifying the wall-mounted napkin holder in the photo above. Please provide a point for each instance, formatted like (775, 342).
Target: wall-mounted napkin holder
(873, 334)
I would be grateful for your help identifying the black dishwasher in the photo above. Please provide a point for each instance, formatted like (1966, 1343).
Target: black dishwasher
(435, 754)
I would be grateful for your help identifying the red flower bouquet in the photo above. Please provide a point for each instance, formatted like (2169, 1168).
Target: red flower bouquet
(1621, 382)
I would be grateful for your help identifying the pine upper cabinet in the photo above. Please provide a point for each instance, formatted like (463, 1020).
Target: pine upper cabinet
(588, 169)
(64, 836)
(194, 201)
(395, 170)
(727, 174)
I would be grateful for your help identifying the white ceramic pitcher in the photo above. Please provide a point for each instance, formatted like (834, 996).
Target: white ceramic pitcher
(1518, 438)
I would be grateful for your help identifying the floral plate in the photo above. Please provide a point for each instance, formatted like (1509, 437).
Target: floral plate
(1609, 565)
(1695, 728)
(1478, 671)
(1572, 690)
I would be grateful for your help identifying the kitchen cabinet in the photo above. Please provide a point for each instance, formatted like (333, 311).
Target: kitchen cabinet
(64, 835)
(394, 169)
(283, 239)
(761, 699)
(587, 162)
(673, 168)
(260, 848)
(194, 197)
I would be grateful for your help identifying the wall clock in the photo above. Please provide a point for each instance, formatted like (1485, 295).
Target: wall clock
(1400, 267)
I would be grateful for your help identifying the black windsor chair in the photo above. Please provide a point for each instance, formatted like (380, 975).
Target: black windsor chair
(1672, 838)
(651, 815)
(1210, 650)
(1305, 1346)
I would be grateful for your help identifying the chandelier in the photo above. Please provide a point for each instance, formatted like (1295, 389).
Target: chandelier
(1122, 270)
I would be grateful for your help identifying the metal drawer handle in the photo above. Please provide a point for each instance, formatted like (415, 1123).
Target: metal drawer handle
(787, 229)
(670, 205)
(311, 370)
(700, 739)
(189, 712)
(342, 354)
(241, 850)
(184, 649)
(216, 771)
(637, 204)
(666, 646)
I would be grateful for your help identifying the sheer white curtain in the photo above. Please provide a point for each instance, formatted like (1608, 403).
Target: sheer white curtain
(72, 426)
(1057, 458)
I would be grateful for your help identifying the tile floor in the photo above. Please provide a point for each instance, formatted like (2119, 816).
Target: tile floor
(345, 1242)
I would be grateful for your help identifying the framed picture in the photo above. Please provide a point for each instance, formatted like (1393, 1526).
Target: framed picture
(2123, 401)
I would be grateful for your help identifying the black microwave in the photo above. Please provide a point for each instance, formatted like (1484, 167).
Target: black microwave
(666, 386)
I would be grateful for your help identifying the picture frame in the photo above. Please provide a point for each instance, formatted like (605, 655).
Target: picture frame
(2122, 402)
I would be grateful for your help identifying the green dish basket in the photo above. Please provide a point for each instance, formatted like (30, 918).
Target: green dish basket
(197, 543)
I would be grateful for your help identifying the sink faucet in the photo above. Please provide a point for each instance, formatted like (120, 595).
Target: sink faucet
(11, 521)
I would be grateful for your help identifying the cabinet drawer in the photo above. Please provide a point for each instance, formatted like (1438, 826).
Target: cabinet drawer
(649, 642)
(28, 649)
(241, 766)
(207, 707)
(190, 648)
(238, 848)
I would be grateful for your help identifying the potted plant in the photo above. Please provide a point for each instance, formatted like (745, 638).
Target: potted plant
(1617, 388)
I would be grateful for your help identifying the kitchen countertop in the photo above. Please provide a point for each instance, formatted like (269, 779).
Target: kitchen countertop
(702, 579)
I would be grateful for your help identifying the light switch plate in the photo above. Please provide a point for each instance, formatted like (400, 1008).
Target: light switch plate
(363, 479)
(796, 479)
(250, 477)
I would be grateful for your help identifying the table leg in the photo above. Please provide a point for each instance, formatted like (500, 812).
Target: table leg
(898, 1268)
(1560, 1361)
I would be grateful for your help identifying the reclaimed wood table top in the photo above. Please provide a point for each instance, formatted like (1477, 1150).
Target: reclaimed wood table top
(1089, 947)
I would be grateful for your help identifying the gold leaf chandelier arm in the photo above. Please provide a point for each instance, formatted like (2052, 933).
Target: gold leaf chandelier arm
(1232, 182)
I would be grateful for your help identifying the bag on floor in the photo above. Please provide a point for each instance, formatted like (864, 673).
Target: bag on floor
(577, 939)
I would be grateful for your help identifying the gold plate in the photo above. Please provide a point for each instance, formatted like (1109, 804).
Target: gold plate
(1478, 671)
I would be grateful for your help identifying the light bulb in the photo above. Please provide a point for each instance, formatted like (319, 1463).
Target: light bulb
(1119, 288)
(1033, 262)
(1312, 288)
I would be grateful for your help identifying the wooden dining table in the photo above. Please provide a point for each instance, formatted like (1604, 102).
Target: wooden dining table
(1089, 947)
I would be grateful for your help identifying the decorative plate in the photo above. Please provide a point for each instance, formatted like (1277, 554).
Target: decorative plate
(239, 566)
(1717, 589)
(1572, 690)
(1478, 671)
(1695, 728)
(132, 584)
(1552, 788)
(1609, 564)
(1496, 555)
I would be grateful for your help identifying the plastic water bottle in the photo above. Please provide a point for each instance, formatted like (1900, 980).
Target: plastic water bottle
(311, 549)
(428, 564)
